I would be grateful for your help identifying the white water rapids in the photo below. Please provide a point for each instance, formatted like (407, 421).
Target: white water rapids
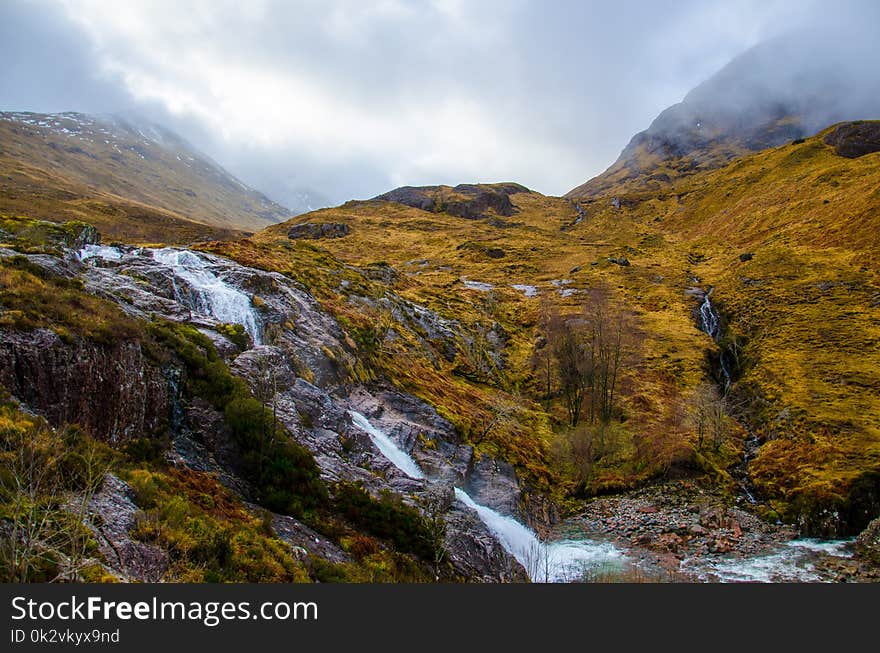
(195, 283)
(553, 562)
(791, 562)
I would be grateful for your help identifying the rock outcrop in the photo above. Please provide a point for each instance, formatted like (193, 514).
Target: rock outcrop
(471, 201)
(317, 230)
(868, 542)
(112, 390)
(855, 139)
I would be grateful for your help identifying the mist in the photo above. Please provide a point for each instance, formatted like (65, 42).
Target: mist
(330, 101)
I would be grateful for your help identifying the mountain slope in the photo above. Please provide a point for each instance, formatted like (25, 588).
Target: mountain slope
(798, 313)
(71, 164)
(779, 91)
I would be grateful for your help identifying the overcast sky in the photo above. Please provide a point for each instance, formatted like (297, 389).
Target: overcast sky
(353, 98)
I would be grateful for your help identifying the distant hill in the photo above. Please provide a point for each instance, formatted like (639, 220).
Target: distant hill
(131, 179)
(779, 91)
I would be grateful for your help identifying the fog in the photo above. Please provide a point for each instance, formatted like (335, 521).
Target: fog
(350, 99)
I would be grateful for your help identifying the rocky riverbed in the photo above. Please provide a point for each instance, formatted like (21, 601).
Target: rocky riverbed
(682, 531)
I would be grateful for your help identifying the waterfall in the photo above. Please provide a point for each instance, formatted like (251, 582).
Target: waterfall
(559, 561)
(195, 284)
(391, 451)
(100, 251)
(208, 294)
(710, 324)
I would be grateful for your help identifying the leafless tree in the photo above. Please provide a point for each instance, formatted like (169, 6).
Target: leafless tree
(708, 415)
(590, 351)
(435, 503)
(47, 491)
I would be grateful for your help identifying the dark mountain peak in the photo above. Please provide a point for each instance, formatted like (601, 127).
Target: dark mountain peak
(471, 201)
(780, 90)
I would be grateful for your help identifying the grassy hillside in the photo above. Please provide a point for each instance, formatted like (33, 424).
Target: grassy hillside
(802, 310)
(133, 182)
(800, 315)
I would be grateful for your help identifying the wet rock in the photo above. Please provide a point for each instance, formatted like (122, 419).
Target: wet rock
(112, 390)
(112, 515)
(474, 552)
(868, 542)
(317, 230)
(493, 483)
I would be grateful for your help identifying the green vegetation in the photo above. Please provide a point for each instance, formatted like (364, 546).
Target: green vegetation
(284, 472)
(46, 480)
(387, 518)
(32, 298)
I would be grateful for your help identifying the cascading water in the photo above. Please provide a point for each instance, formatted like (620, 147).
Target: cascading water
(710, 324)
(793, 561)
(391, 451)
(208, 294)
(195, 285)
(553, 562)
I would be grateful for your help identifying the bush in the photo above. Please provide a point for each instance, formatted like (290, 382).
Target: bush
(387, 518)
(284, 472)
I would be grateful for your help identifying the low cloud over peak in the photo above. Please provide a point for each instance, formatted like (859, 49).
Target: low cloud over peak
(350, 99)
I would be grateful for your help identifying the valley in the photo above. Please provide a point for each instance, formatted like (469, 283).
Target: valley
(668, 376)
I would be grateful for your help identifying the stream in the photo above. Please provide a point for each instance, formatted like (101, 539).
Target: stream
(196, 284)
(551, 562)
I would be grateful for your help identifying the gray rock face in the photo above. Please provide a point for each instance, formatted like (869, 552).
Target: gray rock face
(113, 515)
(855, 139)
(475, 553)
(113, 391)
(316, 230)
(493, 483)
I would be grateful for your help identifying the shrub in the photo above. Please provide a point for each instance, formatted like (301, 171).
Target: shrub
(387, 518)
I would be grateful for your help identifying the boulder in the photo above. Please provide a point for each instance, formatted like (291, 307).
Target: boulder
(112, 514)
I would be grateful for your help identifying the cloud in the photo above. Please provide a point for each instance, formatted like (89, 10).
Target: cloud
(352, 98)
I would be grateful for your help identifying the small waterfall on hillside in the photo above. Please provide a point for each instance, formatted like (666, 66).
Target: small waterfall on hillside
(552, 562)
(710, 324)
(391, 451)
(195, 284)
(207, 293)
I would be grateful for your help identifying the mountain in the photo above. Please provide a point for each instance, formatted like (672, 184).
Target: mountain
(779, 91)
(131, 178)
(783, 242)
(661, 377)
